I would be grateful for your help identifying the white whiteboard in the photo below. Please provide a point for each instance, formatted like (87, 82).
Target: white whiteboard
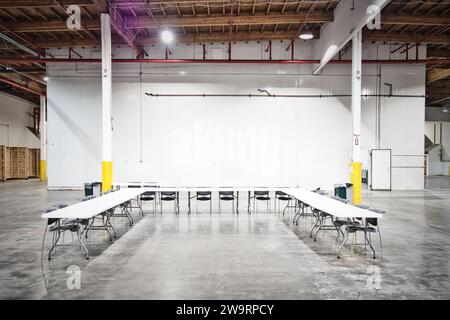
(381, 169)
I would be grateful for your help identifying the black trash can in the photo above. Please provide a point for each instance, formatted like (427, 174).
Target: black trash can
(92, 189)
(340, 191)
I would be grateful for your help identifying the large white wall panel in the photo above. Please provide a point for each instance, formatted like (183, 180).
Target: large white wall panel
(74, 132)
(403, 125)
(228, 140)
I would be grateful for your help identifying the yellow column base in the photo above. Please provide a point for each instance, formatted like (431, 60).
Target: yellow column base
(449, 171)
(107, 169)
(356, 180)
(43, 170)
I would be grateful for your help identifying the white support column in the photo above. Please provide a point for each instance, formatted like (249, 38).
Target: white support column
(43, 136)
(106, 103)
(356, 175)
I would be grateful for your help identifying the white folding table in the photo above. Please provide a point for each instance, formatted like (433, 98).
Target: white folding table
(91, 208)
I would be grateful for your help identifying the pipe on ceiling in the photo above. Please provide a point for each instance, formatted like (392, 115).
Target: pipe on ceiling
(194, 61)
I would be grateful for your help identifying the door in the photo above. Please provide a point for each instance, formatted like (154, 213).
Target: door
(381, 169)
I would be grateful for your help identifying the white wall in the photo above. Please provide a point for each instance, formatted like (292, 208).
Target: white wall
(232, 140)
(13, 122)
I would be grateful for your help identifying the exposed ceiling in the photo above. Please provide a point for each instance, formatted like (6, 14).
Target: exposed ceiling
(40, 24)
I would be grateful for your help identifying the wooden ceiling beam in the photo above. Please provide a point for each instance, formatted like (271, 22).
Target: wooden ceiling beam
(16, 4)
(433, 52)
(181, 38)
(406, 37)
(437, 74)
(144, 22)
(410, 20)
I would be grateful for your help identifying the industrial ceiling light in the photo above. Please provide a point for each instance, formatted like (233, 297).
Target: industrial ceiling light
(445, 110)
(306, 35)
(45, 78)
(167, 36)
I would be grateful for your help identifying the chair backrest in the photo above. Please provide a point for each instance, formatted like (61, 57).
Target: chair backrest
(149, 193)
(226, 193)
(134, 185)
(261, 193)
(203, 193)
(168, 193)
(372, 221)
(51, 220)
(280, 193)
(60, 205)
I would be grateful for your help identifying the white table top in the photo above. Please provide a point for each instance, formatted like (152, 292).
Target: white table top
(331, 206)
(91, 208)
(137, 184)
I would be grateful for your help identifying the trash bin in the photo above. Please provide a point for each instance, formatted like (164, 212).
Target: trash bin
(92, 189)
(340, 191)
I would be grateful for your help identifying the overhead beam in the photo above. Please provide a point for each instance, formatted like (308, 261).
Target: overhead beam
(437, 74)
(181, 38)
(350, 18)
(20, 86)
(406, 37)
(247, 36)
(440, 84)
(17, 4)
(118, 23)
(220, 20)
(158, 22)
(433, 52)
(421, 20)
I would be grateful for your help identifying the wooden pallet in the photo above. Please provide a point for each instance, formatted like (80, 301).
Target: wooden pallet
(19, 163)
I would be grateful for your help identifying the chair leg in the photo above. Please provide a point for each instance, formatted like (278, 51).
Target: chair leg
(318, 229)
(314, 227)
(381, 244)
(370, 244)
(54, 244)
(342, 244)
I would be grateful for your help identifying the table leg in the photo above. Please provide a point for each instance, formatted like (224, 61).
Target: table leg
(189, 202)
(80, 239)
(248, 205)
(345, 240)
(237, 202)
(55, 242)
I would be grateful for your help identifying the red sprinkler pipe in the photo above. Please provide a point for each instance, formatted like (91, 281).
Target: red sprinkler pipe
(217, 61)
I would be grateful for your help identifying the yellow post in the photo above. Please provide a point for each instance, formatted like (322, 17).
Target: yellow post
(43, 170)
(107, 168)
(449, 171)
(356, 180)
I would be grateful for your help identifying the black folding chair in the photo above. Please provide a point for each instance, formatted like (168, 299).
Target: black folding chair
(227, 196)
(168, 196)
(203, 196)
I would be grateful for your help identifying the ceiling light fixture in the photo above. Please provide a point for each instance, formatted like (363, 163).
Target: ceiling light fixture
(167, 36)
(306, 35)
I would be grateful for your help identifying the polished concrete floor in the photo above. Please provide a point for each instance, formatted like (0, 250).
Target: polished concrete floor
(224, 255)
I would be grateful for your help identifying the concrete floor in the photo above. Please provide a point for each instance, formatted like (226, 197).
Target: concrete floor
(227, 256)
